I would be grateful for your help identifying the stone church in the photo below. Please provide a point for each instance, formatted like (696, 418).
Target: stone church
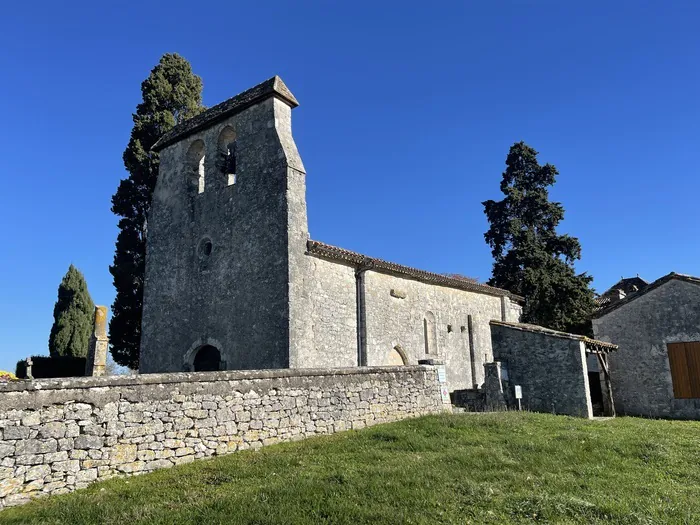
(233, 280)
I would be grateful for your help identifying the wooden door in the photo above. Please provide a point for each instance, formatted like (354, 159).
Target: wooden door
(684, 359)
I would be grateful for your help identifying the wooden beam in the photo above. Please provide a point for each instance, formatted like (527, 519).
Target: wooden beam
(603, 359)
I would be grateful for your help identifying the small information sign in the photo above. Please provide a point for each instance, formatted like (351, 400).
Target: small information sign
(518, 392)
(441, 374)
(445, 394)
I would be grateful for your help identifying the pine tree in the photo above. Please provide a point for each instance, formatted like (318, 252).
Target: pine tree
(171, 94)
(72, 317)
(530, 258)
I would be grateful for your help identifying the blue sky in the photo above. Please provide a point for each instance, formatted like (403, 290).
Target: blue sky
(407, 112)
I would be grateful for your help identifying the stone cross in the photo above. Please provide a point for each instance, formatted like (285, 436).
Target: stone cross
(28, 373)
(96, 361)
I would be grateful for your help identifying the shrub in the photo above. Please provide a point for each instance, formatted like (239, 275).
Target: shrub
(7, 376)
(46, 367)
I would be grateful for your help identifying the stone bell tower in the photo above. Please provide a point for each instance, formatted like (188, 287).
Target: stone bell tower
(226, 230)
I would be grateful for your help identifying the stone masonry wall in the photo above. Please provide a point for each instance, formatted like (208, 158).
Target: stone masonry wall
(550, 368)
(396, 309)
(639, 370)
(59, 435)
(235, 295)
(332, 312)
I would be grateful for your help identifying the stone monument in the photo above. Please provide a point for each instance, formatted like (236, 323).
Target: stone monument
(96, 362)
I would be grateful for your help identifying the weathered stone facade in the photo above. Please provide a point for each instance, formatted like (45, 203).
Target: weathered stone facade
(332, 333)
(666, 311)
(400, 321)
(367, 313)
(59, 435)
(219, 248)
(231, 271)
(550, 366)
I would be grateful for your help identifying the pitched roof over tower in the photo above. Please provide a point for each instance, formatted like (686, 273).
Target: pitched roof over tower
(272, 87)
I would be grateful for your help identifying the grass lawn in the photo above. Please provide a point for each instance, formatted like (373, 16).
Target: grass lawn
(472, 468)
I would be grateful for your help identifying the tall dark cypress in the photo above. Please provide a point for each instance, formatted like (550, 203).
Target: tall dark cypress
(72, 316)
(171, 94)
(530, 258)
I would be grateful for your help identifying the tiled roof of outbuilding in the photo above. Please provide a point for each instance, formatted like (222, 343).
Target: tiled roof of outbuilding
(328, 251)
(602, 301)
(624, 287)
(628, 285)
(607, 308)
(592, 345)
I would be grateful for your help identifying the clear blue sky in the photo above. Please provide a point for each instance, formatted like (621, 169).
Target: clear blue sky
(407, 112)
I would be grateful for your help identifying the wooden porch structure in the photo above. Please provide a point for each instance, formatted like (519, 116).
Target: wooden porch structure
(601, 350)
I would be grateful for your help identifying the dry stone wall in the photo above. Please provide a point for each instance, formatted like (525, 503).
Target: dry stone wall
(60, 435)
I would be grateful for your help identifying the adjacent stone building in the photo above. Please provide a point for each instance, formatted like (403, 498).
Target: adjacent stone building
(233, 280)
(656, 371)
(551, 370)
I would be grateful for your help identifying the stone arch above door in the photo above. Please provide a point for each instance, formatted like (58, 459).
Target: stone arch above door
(396, 357)
(191, 354)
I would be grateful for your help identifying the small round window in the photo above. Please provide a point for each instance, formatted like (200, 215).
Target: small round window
(205, 248)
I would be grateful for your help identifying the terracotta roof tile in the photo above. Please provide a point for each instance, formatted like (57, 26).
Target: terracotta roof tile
(328, 251)
(592, 345)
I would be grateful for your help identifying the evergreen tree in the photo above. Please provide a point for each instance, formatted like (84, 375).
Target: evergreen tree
(171, 94)
(72, 317)
(530, 258)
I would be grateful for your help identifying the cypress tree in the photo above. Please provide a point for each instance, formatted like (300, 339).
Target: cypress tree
(171, 94)
(72, 317)
(530, 258)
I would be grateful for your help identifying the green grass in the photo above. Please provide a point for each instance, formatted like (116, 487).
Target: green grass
(482, 468)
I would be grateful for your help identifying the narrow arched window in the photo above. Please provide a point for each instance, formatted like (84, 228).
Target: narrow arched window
(228, 154)
(430, 333)
(195, 165)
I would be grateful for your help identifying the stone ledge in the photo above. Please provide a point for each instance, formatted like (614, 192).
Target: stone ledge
(196, 377)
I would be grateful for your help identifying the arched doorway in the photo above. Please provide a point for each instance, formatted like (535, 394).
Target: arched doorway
(396, 357)
(207, 359)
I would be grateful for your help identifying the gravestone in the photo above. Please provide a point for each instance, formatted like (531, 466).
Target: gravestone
(28, 373)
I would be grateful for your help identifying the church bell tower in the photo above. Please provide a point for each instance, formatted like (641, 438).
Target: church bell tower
(227, 223)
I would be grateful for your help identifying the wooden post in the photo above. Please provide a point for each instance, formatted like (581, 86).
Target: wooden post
(603, 360)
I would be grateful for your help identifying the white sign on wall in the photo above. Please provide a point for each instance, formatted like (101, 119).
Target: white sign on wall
(441, 374)
(445, 394)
